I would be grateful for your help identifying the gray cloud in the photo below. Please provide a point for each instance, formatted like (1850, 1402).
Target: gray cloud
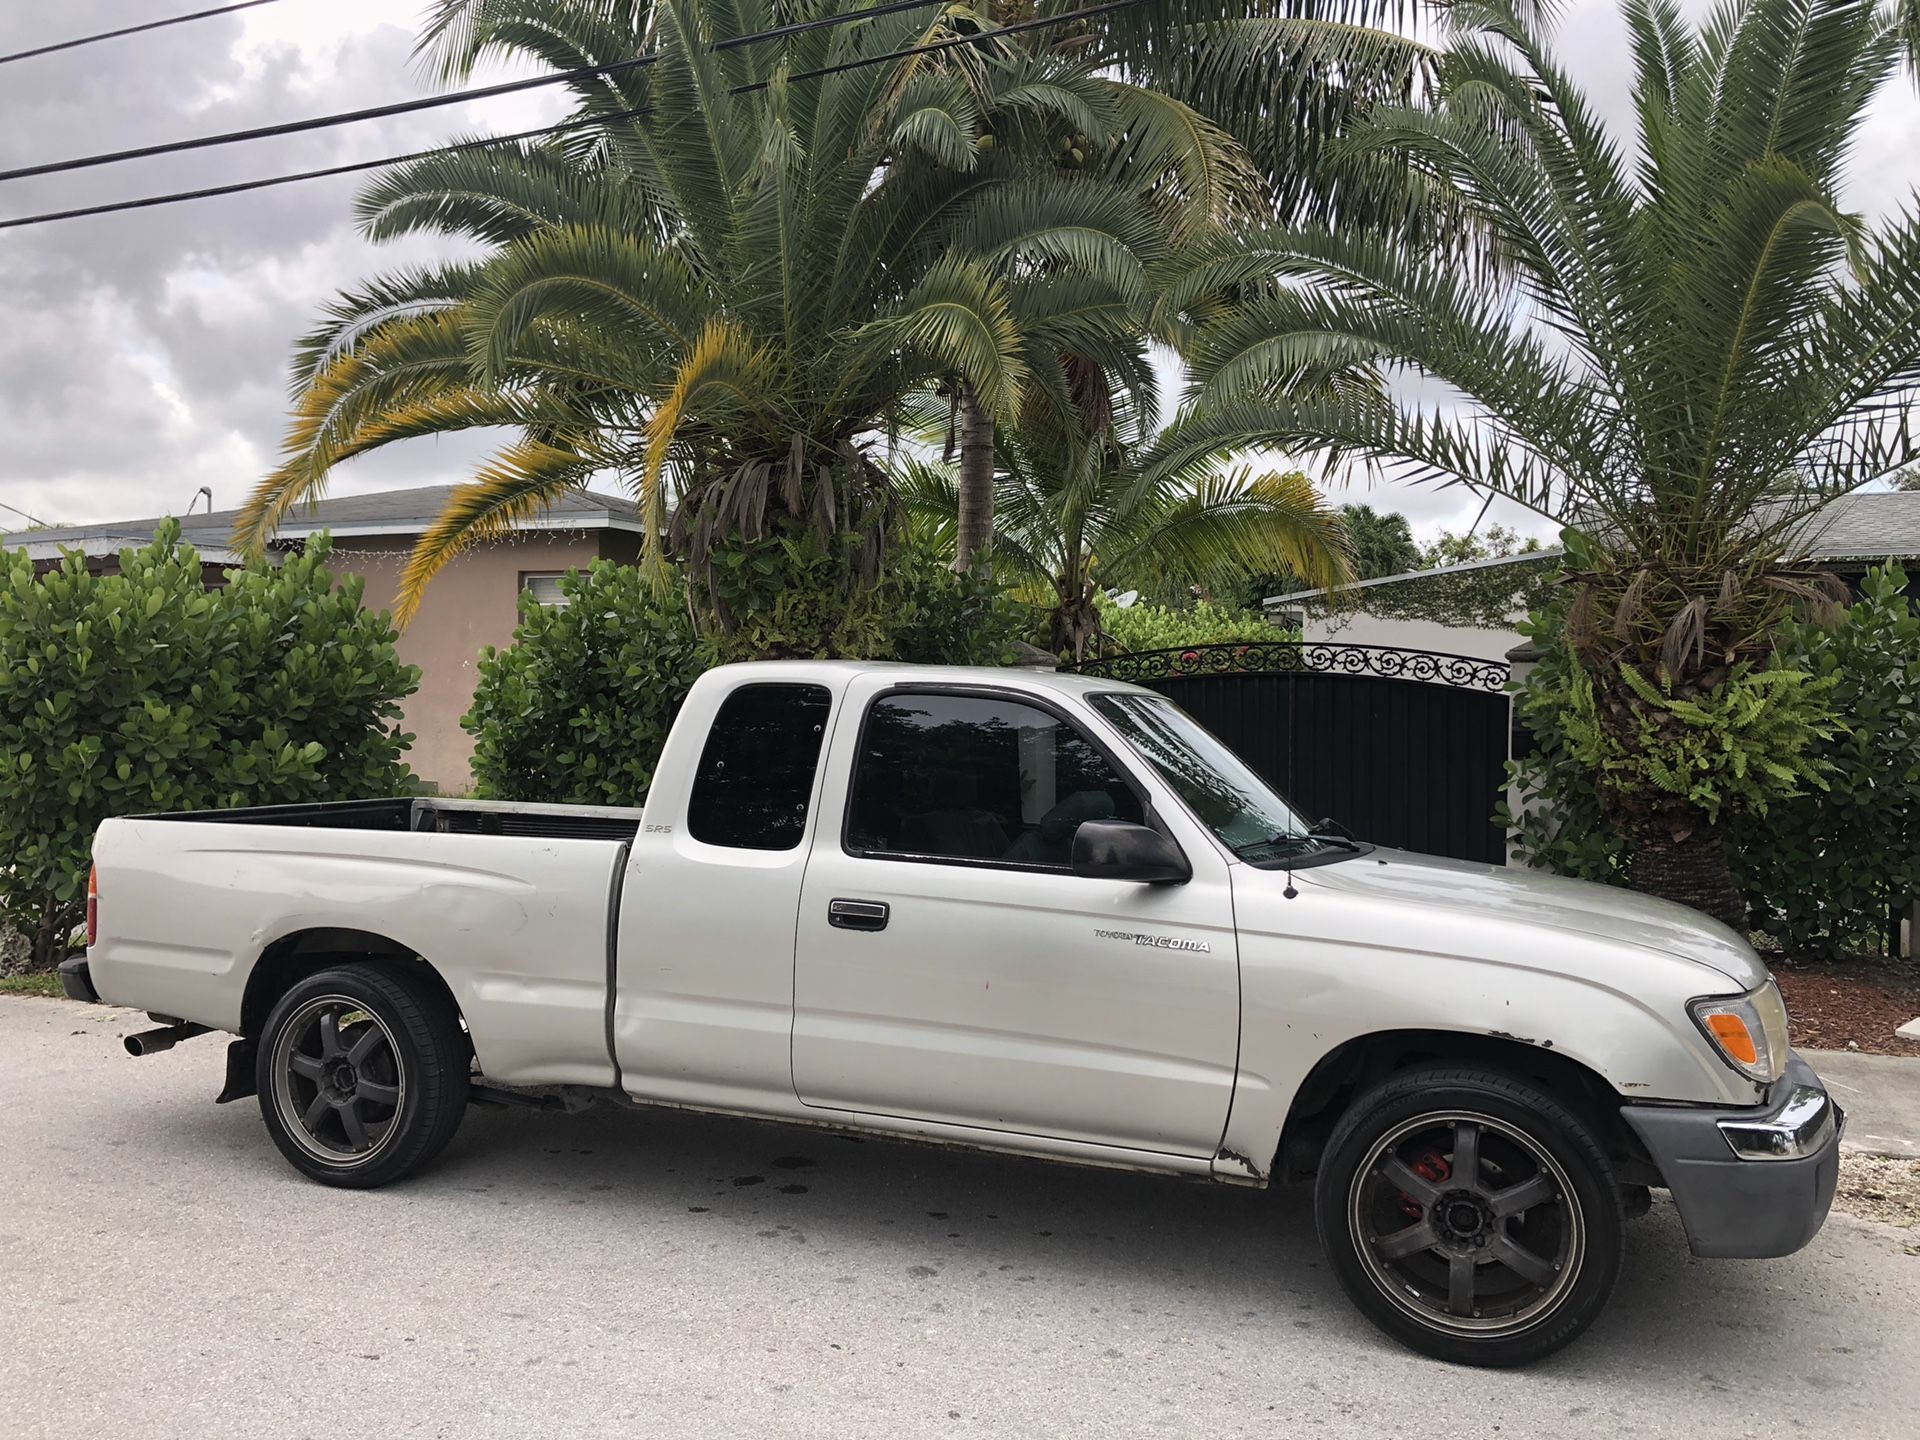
(143, 355)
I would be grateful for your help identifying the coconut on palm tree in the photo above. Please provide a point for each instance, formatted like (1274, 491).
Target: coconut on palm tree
(1692, 347)
(724, 291)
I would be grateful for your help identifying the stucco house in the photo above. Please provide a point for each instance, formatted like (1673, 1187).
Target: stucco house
(1473, 609)
(473, 603)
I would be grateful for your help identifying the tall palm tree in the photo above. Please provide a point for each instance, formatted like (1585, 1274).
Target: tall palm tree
(1691, 349)
(1089, 507)
(724, 291)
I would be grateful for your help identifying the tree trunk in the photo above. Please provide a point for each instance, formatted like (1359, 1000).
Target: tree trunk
(50, 934)
(976, 481)
(1687, 864)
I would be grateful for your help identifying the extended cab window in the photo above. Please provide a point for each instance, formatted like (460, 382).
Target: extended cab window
(971, 777)
(756, 773)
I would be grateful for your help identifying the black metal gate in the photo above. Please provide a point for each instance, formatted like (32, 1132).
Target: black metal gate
(1403, 747)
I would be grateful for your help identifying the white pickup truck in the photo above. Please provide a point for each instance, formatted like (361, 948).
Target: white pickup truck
(1016, 910)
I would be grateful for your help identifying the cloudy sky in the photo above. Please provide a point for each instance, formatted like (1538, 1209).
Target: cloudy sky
(143, 355)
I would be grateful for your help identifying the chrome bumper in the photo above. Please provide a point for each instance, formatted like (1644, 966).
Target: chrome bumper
(1804, 1126)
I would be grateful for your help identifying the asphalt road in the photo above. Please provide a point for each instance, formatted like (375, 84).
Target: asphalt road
(163, 1273)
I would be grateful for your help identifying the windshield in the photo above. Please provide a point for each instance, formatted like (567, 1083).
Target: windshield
(1216, 784)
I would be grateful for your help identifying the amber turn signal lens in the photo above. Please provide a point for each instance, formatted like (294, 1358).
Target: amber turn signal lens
(1734, 1037)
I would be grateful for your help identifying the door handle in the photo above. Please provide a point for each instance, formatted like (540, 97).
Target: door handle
(858, 914)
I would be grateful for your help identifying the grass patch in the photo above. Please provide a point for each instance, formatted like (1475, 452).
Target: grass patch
(46, 984)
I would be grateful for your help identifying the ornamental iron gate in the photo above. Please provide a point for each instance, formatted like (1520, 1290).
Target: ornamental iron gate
(1402, 747)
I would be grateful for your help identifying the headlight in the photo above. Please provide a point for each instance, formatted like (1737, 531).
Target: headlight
(1749, 1031)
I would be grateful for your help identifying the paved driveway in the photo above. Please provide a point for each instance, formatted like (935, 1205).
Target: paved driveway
(163, 1273)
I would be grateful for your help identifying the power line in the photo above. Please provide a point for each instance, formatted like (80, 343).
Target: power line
(324, 122)
(801, 27)
(433, 102)
(129, 30)
(267, 182)
(240, 187)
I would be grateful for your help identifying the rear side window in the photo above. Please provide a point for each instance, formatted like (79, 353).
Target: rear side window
(978, 778)
(756, 773)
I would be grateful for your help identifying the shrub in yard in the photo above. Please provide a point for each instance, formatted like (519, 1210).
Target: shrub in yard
(1146, 626)
(949, 619)
(1821, 871)
(145, 691)
(578, 708)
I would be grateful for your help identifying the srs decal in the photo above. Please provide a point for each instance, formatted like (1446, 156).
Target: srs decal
(1155, 942)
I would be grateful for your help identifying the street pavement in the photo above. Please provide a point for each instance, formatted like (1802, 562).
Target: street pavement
(164, 1273)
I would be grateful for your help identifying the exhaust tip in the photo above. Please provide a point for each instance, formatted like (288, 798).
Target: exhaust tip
(152, 1042)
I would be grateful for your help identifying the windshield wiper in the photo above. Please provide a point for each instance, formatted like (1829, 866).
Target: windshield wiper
(1297, 840)
(1339, 842)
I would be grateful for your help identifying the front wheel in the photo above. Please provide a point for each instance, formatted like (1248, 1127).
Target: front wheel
(362, 1073)
(1470, 1215)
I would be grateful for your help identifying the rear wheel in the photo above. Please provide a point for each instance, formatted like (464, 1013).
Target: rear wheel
(1470, 1215)
(362, 1073)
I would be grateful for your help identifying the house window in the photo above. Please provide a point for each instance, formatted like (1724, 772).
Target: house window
(545, 589)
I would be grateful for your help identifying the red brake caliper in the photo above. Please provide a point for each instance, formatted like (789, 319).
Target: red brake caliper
(1430, 1166)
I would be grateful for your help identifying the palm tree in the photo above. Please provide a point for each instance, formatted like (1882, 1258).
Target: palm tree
(1689, 351)
(724, 291)
(1082, 509)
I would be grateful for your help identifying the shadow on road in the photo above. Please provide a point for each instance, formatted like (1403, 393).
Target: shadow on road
(925, 1211)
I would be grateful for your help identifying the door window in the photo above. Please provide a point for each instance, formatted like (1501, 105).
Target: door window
(978, 778)
(756, 773)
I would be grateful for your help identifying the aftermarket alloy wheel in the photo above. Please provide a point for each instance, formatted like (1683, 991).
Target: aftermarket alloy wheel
(362, 1073)
(1470, 1215)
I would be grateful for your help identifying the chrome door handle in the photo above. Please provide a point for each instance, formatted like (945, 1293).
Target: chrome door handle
(858, 914)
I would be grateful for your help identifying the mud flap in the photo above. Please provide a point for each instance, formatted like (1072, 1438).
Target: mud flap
(240, 1082)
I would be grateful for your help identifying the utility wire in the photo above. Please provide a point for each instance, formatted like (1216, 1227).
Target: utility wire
(240, 187)
(821, 22)
(582, 122)
(129, 30)
(324, 122)
(434, 102)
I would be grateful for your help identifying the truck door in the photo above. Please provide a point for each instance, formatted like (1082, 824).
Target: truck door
(951, 967)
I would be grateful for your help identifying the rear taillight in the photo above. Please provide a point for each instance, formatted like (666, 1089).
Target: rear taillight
(93, 905)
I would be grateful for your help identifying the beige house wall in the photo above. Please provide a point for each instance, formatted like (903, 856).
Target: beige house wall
(471, 604)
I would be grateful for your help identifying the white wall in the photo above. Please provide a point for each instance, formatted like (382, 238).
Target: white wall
(1359, 628)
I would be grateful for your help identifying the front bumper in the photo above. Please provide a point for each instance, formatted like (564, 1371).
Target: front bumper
(1750, 1183)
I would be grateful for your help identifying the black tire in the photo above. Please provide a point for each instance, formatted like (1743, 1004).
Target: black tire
(362, 1071)
(1539, 1192)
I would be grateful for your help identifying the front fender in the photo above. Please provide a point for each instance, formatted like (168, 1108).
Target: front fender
(1315, 975)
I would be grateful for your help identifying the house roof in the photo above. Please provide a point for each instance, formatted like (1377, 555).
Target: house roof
(1866, 526)
(385, 512)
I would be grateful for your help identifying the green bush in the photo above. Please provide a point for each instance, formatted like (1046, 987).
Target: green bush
(1146, 626)
(578, 708)
(1731, 751)
(1565, 831)
(949, 619)
(145, 691)
(1822, 871)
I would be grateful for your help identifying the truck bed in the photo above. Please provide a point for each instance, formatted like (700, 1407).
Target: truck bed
(431, 815)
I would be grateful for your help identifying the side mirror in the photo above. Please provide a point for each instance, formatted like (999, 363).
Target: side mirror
(1121, 850)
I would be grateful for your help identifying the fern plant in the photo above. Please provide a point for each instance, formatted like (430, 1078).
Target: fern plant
(1750, 740)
